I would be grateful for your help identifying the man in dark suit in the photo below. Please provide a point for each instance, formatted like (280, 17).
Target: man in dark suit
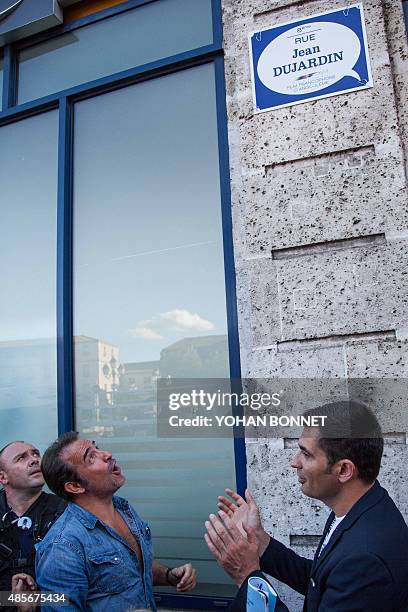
(361, 563)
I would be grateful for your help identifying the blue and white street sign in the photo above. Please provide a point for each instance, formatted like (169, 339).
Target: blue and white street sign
(306, 59)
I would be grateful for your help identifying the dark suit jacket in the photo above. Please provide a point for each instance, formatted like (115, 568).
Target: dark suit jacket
(363, 568)
(239, 603)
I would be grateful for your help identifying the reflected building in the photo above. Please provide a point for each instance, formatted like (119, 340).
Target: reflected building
(28, 388)
(139, 375)
(200, 357)
(97, 371)
(118, 399)
(107, 391)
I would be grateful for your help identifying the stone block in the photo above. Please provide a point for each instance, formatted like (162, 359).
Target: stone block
(393, 475)
(265, 317)
(281, 10)
(398, 49)
(243, 305)
(314, 362)
(347, 291)
(358, 119)
(386, 359)
(331, 197)
(378, 376)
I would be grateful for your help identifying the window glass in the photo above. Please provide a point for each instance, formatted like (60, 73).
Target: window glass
(28, 175)
(149, 297)
(130, 39)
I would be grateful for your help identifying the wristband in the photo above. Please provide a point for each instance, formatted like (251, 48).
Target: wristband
(168, 570)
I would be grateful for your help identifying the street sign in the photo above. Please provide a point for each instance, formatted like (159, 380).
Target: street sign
(307, 59)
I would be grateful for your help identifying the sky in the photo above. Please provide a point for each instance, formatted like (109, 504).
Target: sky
(147, 215)
(148, 258)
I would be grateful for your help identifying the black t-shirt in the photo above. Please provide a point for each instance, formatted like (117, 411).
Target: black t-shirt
(17, 552)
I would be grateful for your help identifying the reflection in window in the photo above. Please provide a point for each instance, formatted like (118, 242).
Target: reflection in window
(149, 296)
(28, 174)
(130, 39)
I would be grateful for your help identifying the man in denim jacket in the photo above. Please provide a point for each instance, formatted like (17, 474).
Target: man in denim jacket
(100, 551)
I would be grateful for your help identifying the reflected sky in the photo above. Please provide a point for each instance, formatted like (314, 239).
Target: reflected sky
(28, 178)
(147, 219)
(130, 39)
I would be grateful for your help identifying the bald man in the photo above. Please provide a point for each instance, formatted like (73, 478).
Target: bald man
(26, 514)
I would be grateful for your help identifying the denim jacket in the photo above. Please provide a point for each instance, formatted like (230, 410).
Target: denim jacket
(94, 565)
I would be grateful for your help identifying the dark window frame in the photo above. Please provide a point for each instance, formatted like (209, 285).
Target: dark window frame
(405, 9)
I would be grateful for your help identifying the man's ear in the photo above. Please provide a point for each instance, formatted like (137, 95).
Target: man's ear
(346, 470)
(74, 488)
(3, 478)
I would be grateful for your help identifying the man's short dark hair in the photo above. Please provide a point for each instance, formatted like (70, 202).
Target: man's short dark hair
(55, 470)
(351, 431)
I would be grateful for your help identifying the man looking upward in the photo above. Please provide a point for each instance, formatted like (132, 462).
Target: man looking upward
(26, 513)
(361, 563)
(100, 551)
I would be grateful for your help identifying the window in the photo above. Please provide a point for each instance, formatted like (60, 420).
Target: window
(28, 178)
(116, 233)
(132, 38)
(148, 278)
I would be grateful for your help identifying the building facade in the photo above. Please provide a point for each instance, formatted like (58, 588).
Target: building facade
(319, 200)
(156, 225)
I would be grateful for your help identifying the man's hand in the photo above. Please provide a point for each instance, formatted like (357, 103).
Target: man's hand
(245, 514)
(183, 577)
(236, 553)
(20, 583)
(23, 583)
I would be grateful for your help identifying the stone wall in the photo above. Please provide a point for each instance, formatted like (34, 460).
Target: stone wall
(320, 217)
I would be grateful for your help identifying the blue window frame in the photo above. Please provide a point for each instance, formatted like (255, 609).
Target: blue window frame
(405, 7)
(64, 102)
